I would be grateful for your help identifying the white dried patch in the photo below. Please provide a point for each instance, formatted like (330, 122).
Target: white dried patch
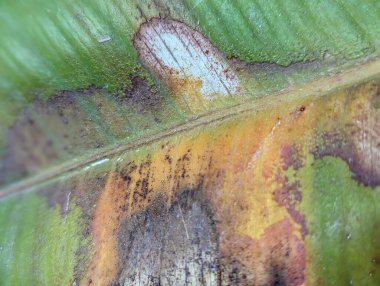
(173, 49)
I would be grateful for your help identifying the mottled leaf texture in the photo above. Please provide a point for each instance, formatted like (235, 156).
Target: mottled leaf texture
(191, 142)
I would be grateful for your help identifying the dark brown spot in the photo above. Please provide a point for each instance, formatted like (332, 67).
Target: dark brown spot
(334, 145)
(277, 258)
(355, 134)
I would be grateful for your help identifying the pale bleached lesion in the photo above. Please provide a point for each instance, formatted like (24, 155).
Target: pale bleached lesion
(179, 55)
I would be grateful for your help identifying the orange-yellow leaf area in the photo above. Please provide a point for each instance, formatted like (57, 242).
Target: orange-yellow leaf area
(241, 165)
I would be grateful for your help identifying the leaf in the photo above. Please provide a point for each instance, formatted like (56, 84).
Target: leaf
(196, 142)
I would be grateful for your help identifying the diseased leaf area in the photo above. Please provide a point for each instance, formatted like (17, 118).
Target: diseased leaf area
(192, 142)
(260, 198)
(49, 46)
(52, 44)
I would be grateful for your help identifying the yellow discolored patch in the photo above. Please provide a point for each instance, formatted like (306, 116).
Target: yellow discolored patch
(241, 169)
(236, 166)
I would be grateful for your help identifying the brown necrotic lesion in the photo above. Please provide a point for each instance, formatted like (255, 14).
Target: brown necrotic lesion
(175, 245)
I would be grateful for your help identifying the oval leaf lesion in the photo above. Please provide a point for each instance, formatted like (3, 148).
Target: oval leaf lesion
(186, 61)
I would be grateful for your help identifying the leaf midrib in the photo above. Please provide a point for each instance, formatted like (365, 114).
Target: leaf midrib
(316, 88)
